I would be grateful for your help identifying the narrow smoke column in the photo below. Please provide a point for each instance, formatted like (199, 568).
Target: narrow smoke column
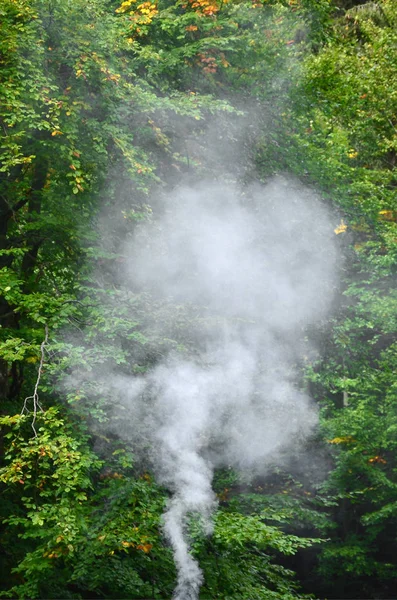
(193, 498)
(181, 393)
(189, 574)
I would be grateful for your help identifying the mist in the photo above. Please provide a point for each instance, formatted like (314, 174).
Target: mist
(256, 266)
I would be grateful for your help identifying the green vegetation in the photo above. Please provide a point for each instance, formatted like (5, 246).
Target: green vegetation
(102, 104)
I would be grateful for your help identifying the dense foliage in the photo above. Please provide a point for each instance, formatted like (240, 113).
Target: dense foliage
(102, 103)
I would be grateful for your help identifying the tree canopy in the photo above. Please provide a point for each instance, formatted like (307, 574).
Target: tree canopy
(106, 108)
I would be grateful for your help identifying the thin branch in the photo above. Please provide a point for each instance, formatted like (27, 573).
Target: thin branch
(10, 212)
(35, 396)
(4, 127)
(391, 123)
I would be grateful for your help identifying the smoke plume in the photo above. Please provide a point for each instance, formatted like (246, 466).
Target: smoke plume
(255, 268)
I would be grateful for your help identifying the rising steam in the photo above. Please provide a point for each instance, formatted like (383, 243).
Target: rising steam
(252, 269)
(258, 268)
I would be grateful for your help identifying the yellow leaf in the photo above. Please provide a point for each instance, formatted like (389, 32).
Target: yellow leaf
(388, 215)
(341, 228)
(348, 439)
(145, 548)
(377, 459)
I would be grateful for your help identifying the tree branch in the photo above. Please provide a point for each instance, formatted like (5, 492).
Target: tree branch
(35, 396)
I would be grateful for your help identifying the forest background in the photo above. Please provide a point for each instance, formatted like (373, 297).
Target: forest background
(102, 105)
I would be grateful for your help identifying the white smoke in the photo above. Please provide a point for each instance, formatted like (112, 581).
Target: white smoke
(258, 267)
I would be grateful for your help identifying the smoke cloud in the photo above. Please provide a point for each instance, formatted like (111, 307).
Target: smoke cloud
(255, 267)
